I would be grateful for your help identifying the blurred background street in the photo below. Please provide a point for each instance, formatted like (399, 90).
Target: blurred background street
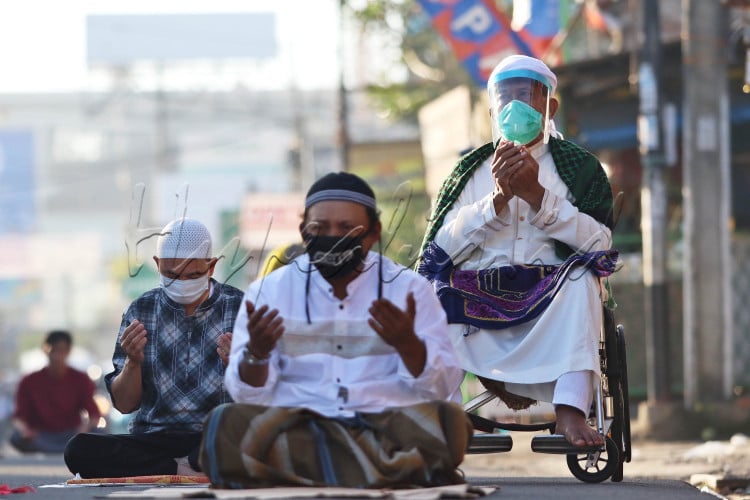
(117, 116)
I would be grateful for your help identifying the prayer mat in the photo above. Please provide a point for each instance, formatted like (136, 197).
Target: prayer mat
(435, 493)
(140, 480)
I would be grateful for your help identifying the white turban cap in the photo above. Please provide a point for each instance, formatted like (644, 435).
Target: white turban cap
(519, 66)
(184, 239)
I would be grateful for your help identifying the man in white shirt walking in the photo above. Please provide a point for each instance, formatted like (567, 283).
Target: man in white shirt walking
(342, 356)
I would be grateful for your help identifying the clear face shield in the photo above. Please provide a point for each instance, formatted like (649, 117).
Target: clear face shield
(519, 107)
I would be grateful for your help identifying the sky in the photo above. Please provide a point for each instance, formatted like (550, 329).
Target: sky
(43, 42)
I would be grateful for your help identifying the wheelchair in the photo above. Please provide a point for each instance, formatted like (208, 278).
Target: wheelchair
(610, 415)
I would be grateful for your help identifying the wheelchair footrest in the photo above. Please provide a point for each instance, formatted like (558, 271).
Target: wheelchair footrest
(557, 444)
(490, 443)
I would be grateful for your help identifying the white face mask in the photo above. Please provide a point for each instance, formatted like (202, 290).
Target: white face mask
(184, 291)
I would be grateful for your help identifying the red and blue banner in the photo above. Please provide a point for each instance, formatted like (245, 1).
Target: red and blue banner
(479, 34)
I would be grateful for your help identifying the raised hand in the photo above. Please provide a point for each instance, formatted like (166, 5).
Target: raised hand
(504, 163)
(517, 172)
(133, 341)
(224, 346)
(265, 329)
(396, 327)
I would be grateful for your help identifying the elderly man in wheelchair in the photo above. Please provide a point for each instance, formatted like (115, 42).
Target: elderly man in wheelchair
(518, 246)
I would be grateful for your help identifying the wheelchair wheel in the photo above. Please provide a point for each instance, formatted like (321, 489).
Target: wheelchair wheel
(620, 429)
(625, 393)
(597, 466)
(616, 431)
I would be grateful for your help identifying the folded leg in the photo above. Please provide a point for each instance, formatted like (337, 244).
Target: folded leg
(122, 455)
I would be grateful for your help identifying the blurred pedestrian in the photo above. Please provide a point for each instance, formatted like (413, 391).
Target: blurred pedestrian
(49, 402)
(169, 363)
(517, 227)
(341, 366)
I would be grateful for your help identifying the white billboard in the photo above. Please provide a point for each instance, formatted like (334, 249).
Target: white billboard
(124, 39)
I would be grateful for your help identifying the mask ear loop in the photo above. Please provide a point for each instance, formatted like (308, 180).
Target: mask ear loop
(307, 294)
(546, 119)
(380, 263)
(380, 268)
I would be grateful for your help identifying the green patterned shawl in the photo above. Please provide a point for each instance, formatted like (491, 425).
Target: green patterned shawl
(579, 170)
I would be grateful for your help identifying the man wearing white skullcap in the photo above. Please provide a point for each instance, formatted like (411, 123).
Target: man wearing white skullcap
(517, 245)
(169, 364)
(340, 364)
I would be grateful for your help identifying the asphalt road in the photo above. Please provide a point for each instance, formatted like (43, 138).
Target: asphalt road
(658, 470)
(44, 472)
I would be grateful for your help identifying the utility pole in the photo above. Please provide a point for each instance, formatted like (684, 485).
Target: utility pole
(653, 207)
(343, 133)
(708, 335)
(164, 155)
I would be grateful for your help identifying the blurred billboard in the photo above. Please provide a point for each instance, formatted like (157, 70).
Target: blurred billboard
(269, 220)
(113, 40)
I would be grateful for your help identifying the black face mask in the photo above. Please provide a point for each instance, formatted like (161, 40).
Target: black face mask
(334, 256)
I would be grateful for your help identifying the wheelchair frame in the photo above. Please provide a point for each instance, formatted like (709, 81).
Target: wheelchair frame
(610, 416)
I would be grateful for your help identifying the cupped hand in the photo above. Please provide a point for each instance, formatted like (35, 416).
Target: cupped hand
(224, 346)
(395, 326)
(516, 171)
(133, 341)
(265, 328)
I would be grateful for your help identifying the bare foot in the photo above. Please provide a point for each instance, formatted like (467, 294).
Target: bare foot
(572, 424)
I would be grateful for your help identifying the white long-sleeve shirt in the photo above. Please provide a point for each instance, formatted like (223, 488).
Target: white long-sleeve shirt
(337, 364)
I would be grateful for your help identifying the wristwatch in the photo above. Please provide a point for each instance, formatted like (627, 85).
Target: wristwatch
(249, 359)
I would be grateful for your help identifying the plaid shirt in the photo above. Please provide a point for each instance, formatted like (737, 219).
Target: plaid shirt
(183, 376)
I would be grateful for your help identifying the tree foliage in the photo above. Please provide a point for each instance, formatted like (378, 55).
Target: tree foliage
(431, 67)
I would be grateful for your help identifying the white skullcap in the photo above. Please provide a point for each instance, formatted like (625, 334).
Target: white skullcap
(184, 239)
(519, 66)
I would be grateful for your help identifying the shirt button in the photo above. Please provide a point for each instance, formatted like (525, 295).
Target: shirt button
(339, 347)
(341, 306)
(338, 379)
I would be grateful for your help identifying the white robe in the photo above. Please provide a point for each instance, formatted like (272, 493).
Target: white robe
(529, 357)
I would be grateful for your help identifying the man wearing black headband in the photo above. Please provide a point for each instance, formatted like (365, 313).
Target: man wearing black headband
(343, 363)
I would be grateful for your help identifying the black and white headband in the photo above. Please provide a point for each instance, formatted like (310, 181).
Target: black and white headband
(340, 195)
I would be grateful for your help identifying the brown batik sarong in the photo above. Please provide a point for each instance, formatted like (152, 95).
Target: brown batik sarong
(249, 446)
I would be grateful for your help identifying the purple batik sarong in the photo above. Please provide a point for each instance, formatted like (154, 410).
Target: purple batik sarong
(505, 296)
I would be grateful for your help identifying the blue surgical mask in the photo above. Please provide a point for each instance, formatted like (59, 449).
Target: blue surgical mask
(519, 122)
